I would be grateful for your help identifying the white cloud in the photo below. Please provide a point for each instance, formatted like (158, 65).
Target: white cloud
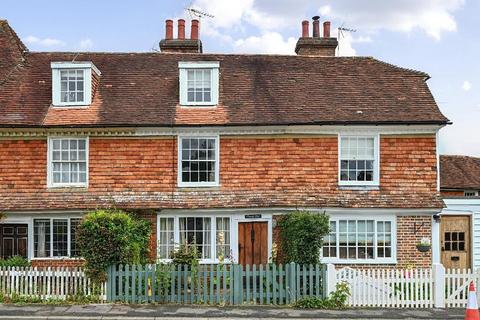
(466, 85)
(85, 44)
(433, 17)
(270, 42)
(267, 17)
(45, 42)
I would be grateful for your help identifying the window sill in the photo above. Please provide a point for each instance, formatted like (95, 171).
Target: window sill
(351, 261)
(203, 106)
(71, 106)
(359, 187)
(198, 188)
(67, 189)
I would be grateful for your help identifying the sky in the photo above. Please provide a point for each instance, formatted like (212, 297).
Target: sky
(439, 37)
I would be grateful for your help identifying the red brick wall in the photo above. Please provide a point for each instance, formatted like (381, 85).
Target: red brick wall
(57, 263)
(456, 193)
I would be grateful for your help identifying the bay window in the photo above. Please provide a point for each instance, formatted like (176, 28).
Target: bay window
(360, 240)
(209, 235)
(55, 237)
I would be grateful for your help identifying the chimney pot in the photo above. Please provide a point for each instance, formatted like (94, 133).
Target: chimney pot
(168, 29)
(326, 29)
(316, 27)
(181, 29)
(194, 30)
(305, 32)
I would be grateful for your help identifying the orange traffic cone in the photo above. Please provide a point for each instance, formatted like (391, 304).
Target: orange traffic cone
(472, 305)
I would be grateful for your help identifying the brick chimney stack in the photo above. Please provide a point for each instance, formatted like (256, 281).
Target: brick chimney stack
(181, 44)
(316, 45)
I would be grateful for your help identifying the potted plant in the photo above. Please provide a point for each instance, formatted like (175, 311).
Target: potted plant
(424, 245)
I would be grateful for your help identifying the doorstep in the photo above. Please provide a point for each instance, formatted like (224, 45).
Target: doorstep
(137, 312)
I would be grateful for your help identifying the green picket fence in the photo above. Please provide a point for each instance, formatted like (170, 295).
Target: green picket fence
(215, 284)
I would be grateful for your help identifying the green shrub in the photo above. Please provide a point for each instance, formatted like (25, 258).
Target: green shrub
(110, 237)
(15, 261)
(301, 236)
(185, 255)
(336, 300)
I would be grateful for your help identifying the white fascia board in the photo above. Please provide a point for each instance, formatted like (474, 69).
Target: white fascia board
(462, 201)
(289, 129)
(198, 64)
(75, 65)
(328, 210)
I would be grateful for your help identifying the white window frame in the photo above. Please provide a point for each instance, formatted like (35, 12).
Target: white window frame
(376, 166)
(214, 66)
(180, 183)
(69, 238)
(375, 260)
(87, 68)
(50, 183)
(213, 234)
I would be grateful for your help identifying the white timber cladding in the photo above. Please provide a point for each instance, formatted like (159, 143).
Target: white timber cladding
(76, 74)
(199, 83)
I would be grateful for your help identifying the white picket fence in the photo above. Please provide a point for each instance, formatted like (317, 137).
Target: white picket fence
(457, 282)
(47, 283)
(397, 288)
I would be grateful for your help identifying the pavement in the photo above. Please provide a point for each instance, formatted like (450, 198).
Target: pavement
(177, 312)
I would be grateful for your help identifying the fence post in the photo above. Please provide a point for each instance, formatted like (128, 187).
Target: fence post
(438, 285)
(331, 279)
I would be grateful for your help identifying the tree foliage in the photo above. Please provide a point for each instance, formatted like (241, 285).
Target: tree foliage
(109, 237)
(301, 236)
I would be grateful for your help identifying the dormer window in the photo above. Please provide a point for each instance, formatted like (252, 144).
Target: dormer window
(199, 83)
(72, 83)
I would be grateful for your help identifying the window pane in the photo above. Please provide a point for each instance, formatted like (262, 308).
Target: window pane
(196, 232)
(357, 156)
(359, 239)
(166, 239)
(72, 85)
(60, 237)
(41, 238)
(194, 156)
(69, 161)
(74, 250)
(223, 238)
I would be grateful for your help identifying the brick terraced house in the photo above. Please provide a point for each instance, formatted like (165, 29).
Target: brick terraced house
(214, 148)
(459, 243)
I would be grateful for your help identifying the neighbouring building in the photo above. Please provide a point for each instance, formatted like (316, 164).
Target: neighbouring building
(214, 148)
(460, 220)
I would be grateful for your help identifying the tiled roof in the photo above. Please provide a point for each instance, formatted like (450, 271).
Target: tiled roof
(459, 172)
(318, 198)
(141, 89)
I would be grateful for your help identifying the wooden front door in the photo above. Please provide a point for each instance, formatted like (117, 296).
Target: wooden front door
(455, 241)
(253, 243)
(13, 240)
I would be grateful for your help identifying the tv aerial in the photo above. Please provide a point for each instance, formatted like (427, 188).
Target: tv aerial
(195, 13)
(341, 34)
